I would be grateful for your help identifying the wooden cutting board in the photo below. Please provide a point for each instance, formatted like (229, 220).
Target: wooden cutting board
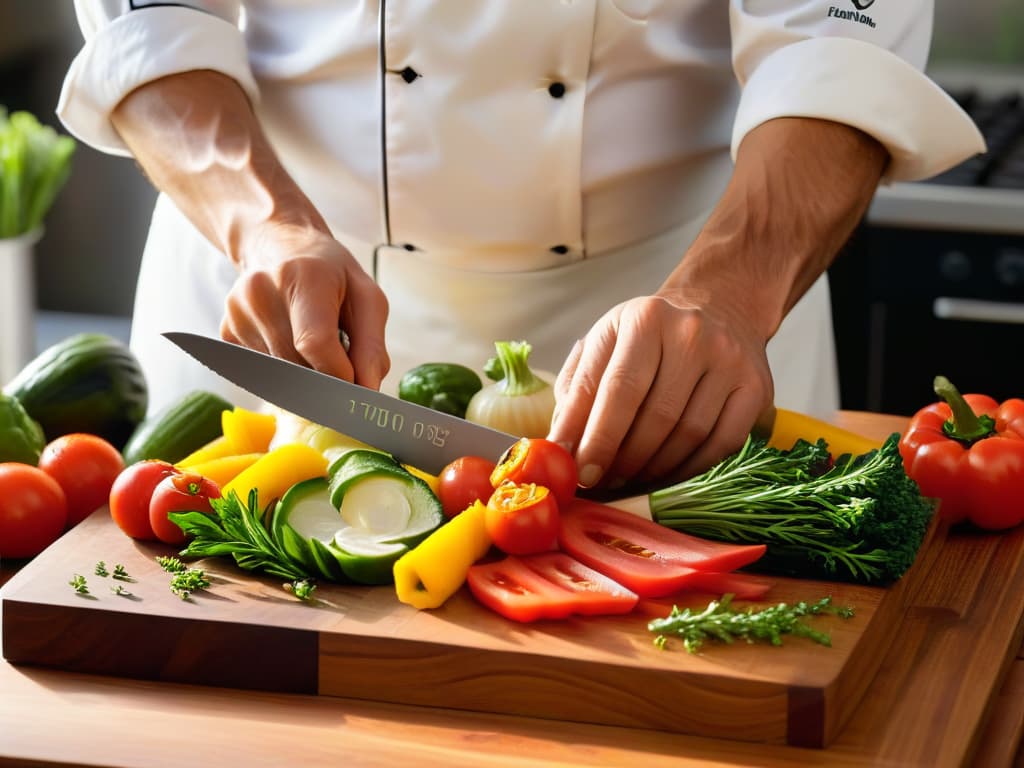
(248, 632)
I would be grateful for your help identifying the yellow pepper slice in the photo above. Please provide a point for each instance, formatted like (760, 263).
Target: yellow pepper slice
(248, 431)
(217, 448)
(276, 471)
(791, 426)
(224, 469)
(432, 481)
(428, 575)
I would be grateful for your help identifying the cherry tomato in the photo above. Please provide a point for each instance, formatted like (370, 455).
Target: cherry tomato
(522, 519)
(85, 466)
(540, 461)
(182, 492)
(33, 510)
(465, 480)
(131, 493)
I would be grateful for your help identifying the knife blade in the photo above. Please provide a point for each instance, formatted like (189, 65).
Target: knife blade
(421, 437)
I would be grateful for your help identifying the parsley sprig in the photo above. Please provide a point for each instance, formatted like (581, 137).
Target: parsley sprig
(719, 621)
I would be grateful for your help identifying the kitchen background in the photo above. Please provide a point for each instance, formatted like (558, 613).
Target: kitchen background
(932, 282)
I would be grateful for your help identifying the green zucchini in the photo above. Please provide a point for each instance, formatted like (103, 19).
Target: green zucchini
(178, 429)
(445, 387)
(88, 382)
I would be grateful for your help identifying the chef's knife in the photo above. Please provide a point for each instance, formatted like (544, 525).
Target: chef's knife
(415, 435)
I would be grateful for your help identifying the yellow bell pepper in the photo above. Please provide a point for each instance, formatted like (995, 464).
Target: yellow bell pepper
(426, 576)
(224, 469)
(248, 431)
(217, 448)
(276, 471)
(431, 480)
(791, 426)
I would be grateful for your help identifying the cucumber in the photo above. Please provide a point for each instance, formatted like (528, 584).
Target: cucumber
(88, 382)
(178, 429)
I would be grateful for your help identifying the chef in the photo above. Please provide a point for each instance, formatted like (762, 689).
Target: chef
(648, 191)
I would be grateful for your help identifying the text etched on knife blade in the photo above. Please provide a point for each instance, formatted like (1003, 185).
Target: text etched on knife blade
(383, 418)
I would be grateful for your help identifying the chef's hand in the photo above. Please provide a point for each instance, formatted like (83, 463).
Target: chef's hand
(296, 288)
(661, 387)
(666, 385)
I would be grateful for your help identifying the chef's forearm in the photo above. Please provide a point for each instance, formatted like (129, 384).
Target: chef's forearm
(799, 188)
(198, 140)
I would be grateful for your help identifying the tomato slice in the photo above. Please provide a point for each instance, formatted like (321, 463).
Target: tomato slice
(646, 557)
(595, 594)
(549, 585)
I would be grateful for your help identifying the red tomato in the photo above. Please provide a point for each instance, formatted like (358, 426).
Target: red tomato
(33, 510)
(540, 461)
(522, 519)
(131, 493)
(85, 466)
(649, 558)
(464, 481)
(183, 492)
(546, 586)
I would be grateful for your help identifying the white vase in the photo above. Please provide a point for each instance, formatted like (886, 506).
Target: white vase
(17, 303)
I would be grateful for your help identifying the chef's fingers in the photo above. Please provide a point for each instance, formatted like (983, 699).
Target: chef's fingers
(563, 382)
(363, 318)
(265, 309)
(315, 288)
(660, 421)
(579, 390)
(735, 421)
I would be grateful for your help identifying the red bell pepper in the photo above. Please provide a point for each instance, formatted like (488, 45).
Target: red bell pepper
(968, 452)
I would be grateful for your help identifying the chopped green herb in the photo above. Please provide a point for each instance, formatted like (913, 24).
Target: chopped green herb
(121, 574)
(171, 564)
(101, 569)
(78, 584)
(185, 582)
(720, 622)
(301, 588)
(118, 589)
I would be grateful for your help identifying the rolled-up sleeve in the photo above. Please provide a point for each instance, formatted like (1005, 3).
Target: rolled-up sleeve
(130, 43)
(854, 62)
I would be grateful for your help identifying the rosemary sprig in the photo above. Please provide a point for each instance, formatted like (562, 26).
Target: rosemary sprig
(719, 621)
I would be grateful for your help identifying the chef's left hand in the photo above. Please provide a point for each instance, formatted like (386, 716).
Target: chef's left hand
(662, 386)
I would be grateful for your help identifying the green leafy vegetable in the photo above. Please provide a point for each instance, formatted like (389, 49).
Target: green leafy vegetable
(859, 519)
(79, 584)
(237, 530)
(101, 569)
(719, 621)
(121, 574)
(34, 164)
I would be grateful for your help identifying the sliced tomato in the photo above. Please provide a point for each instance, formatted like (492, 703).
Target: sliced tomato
(550, 585)
(743, 586)
(594, 593)
(646, 557)
(516, 592)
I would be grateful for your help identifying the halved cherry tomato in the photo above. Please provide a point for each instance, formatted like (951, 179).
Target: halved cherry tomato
(131, 493)
(33, 510)
(540, 461)
(463, 481)
(522, 519)
(649, 558)
(546, 586)
(182, 492)
(85, 466)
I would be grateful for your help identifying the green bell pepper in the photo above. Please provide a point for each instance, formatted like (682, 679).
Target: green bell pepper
(445, 387)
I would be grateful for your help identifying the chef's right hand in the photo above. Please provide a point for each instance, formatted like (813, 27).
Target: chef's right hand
(297, 289)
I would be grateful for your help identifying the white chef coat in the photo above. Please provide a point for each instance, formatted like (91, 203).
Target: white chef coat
(511, 169)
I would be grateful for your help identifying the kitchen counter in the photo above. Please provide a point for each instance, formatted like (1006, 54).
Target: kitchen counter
(58, 718)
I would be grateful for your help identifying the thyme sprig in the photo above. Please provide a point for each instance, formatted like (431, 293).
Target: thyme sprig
(719, 621)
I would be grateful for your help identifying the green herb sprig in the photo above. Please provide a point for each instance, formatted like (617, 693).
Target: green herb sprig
(79, 584)
(190, 580)
(719, 621)
(237, 529)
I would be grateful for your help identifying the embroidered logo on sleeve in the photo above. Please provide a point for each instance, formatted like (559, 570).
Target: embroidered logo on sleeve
(856, 16)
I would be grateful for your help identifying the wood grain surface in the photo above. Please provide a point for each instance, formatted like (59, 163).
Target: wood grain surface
(360, 642)
(937, 700)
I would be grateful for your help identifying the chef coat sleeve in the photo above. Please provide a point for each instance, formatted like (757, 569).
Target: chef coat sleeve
(131, 42)
(856, 62)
